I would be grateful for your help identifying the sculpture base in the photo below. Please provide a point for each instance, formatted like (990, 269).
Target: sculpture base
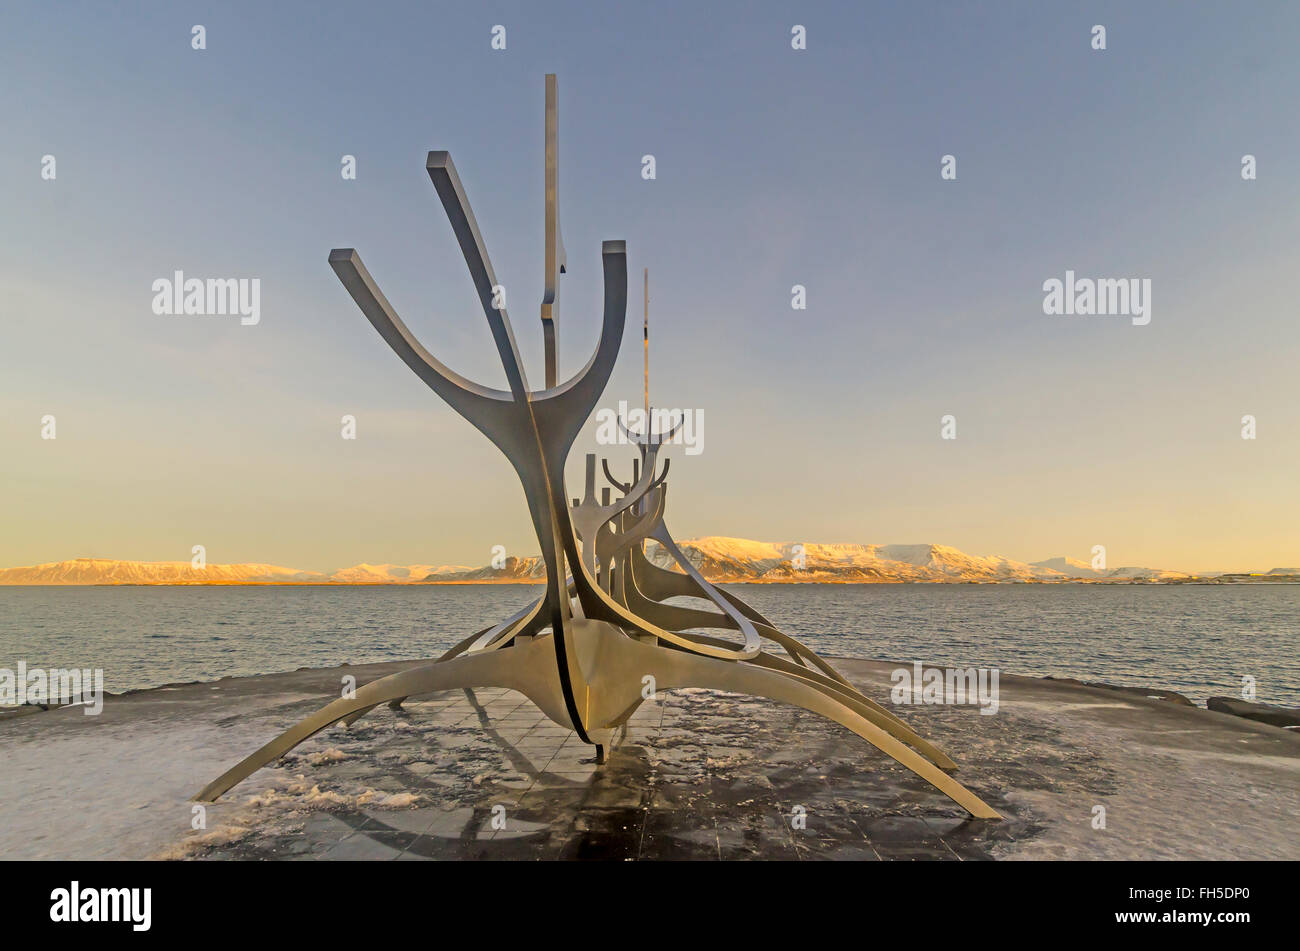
(425, 783)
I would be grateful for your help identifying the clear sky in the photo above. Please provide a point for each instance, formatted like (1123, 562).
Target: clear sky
(774, 167)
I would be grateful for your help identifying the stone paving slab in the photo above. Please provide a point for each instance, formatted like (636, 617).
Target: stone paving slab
(469, 775)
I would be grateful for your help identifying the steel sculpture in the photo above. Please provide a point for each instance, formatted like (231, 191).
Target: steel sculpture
(604, 621)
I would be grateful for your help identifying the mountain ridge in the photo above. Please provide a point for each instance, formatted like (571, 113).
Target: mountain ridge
(719, 558)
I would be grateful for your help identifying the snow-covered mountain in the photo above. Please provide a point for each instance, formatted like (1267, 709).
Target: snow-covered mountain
(718, 558)
(739, 559)
(1071, 568)
(514, 569)
(110, 571)
(1146, 574)
(391, 574)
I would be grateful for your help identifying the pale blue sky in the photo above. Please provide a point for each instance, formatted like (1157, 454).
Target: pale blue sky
(775, 167)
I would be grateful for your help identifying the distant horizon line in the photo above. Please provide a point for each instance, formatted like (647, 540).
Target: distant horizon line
(750, 558)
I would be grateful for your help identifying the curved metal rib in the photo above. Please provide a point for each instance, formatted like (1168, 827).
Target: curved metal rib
(507, 628)
(689, 670)
(442, 172)
(648, 438)
(589, 515)
(746, 627)
(463, 395)
(573, 400)
(663, 476)
(475, 670)
(621, 486)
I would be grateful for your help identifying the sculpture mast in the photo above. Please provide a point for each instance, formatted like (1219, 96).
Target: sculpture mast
(645, 345)
(554, 254)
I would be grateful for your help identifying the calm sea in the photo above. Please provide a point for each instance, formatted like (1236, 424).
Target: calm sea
(1199, 640)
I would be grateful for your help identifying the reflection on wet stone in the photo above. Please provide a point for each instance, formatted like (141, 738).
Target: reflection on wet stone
(484, 775)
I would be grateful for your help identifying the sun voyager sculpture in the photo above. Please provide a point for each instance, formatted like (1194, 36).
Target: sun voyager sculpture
(583, 650)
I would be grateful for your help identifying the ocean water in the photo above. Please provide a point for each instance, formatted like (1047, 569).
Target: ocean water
(1201, 640)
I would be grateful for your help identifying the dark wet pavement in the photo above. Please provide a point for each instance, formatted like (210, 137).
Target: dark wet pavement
(699, 775)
